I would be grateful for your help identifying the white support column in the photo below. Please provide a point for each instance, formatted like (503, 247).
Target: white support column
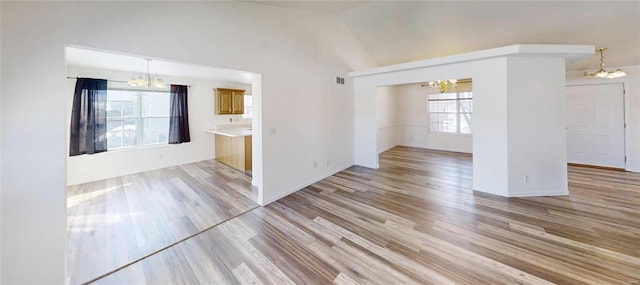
(536, 142)
(519, 139)
(490, 143)
(365, 124)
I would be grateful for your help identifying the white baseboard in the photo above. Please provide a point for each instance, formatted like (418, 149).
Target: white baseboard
(387, 148)
(427, 146)
(633, 169)
(372, 166)
(305, 184)
(528, 193)
(540, 193)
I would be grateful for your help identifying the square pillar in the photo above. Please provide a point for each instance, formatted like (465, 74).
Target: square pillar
(519, 135)
(537, 139)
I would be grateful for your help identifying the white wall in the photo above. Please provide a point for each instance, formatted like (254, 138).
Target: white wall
(298, 54)
(0, 142)
(387, 117)
(632, 108)
(86, 168)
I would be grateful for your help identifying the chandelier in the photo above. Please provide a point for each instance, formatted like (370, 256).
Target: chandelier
(147, 80)
(442, 85)
(602, 73)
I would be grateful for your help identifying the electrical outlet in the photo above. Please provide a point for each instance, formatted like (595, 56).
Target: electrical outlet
(328, 163)
(315, 164)
(526, 178)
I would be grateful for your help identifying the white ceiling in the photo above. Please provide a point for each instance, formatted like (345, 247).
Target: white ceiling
(326, 6)
(403, 31)
(112, 61)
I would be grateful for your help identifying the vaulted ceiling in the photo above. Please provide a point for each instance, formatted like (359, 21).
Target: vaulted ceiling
(402, 31)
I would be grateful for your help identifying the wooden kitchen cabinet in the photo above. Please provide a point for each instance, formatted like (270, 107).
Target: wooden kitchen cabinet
(229, 101)
(234, 151)
(237, 100)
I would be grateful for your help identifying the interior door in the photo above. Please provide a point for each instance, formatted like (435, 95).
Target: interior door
(595, 125)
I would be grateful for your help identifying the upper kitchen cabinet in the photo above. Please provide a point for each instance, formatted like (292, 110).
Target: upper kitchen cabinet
(229, 101)
(237, 100)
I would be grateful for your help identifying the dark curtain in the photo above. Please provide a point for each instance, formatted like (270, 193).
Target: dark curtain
(89, 117)
(179, 116)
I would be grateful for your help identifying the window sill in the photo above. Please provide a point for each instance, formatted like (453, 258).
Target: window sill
(141, 147)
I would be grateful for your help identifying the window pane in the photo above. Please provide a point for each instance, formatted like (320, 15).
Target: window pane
(443, 96)
(442, 106)
(129, 133)
(464, 95)
(114, 136)
(248, 104)
(155, 104)
(129, 104)
(465, 123)
(121, 133)
(114, 109)
(440, 122)
(466, 106)
(114, 105)
(156, 130)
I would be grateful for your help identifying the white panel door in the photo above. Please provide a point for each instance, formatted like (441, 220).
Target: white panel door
(595, 125)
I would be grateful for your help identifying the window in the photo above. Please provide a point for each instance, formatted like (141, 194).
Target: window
(137, 117)
(248, 104)
(450, 112)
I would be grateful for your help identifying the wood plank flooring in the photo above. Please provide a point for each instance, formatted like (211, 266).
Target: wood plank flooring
(416, 221)
(114, 222)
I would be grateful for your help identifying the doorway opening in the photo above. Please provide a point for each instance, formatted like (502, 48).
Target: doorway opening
(143, 195)
(418, 116)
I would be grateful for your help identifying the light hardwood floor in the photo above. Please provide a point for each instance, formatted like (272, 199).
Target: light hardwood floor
(416, 221)
(116, 221)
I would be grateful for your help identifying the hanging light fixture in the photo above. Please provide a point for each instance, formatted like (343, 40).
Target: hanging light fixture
(147, 80)
(442, 85)
(602, 73)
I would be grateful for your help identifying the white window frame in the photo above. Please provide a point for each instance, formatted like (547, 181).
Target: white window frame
(248, 110)
(139, 118)
(458, 113)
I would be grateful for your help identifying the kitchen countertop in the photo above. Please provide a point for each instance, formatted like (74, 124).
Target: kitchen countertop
(232, 132)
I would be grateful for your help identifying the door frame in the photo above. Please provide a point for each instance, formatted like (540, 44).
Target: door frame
(625, 114)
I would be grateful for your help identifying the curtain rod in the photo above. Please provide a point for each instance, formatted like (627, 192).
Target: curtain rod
(71, 77)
